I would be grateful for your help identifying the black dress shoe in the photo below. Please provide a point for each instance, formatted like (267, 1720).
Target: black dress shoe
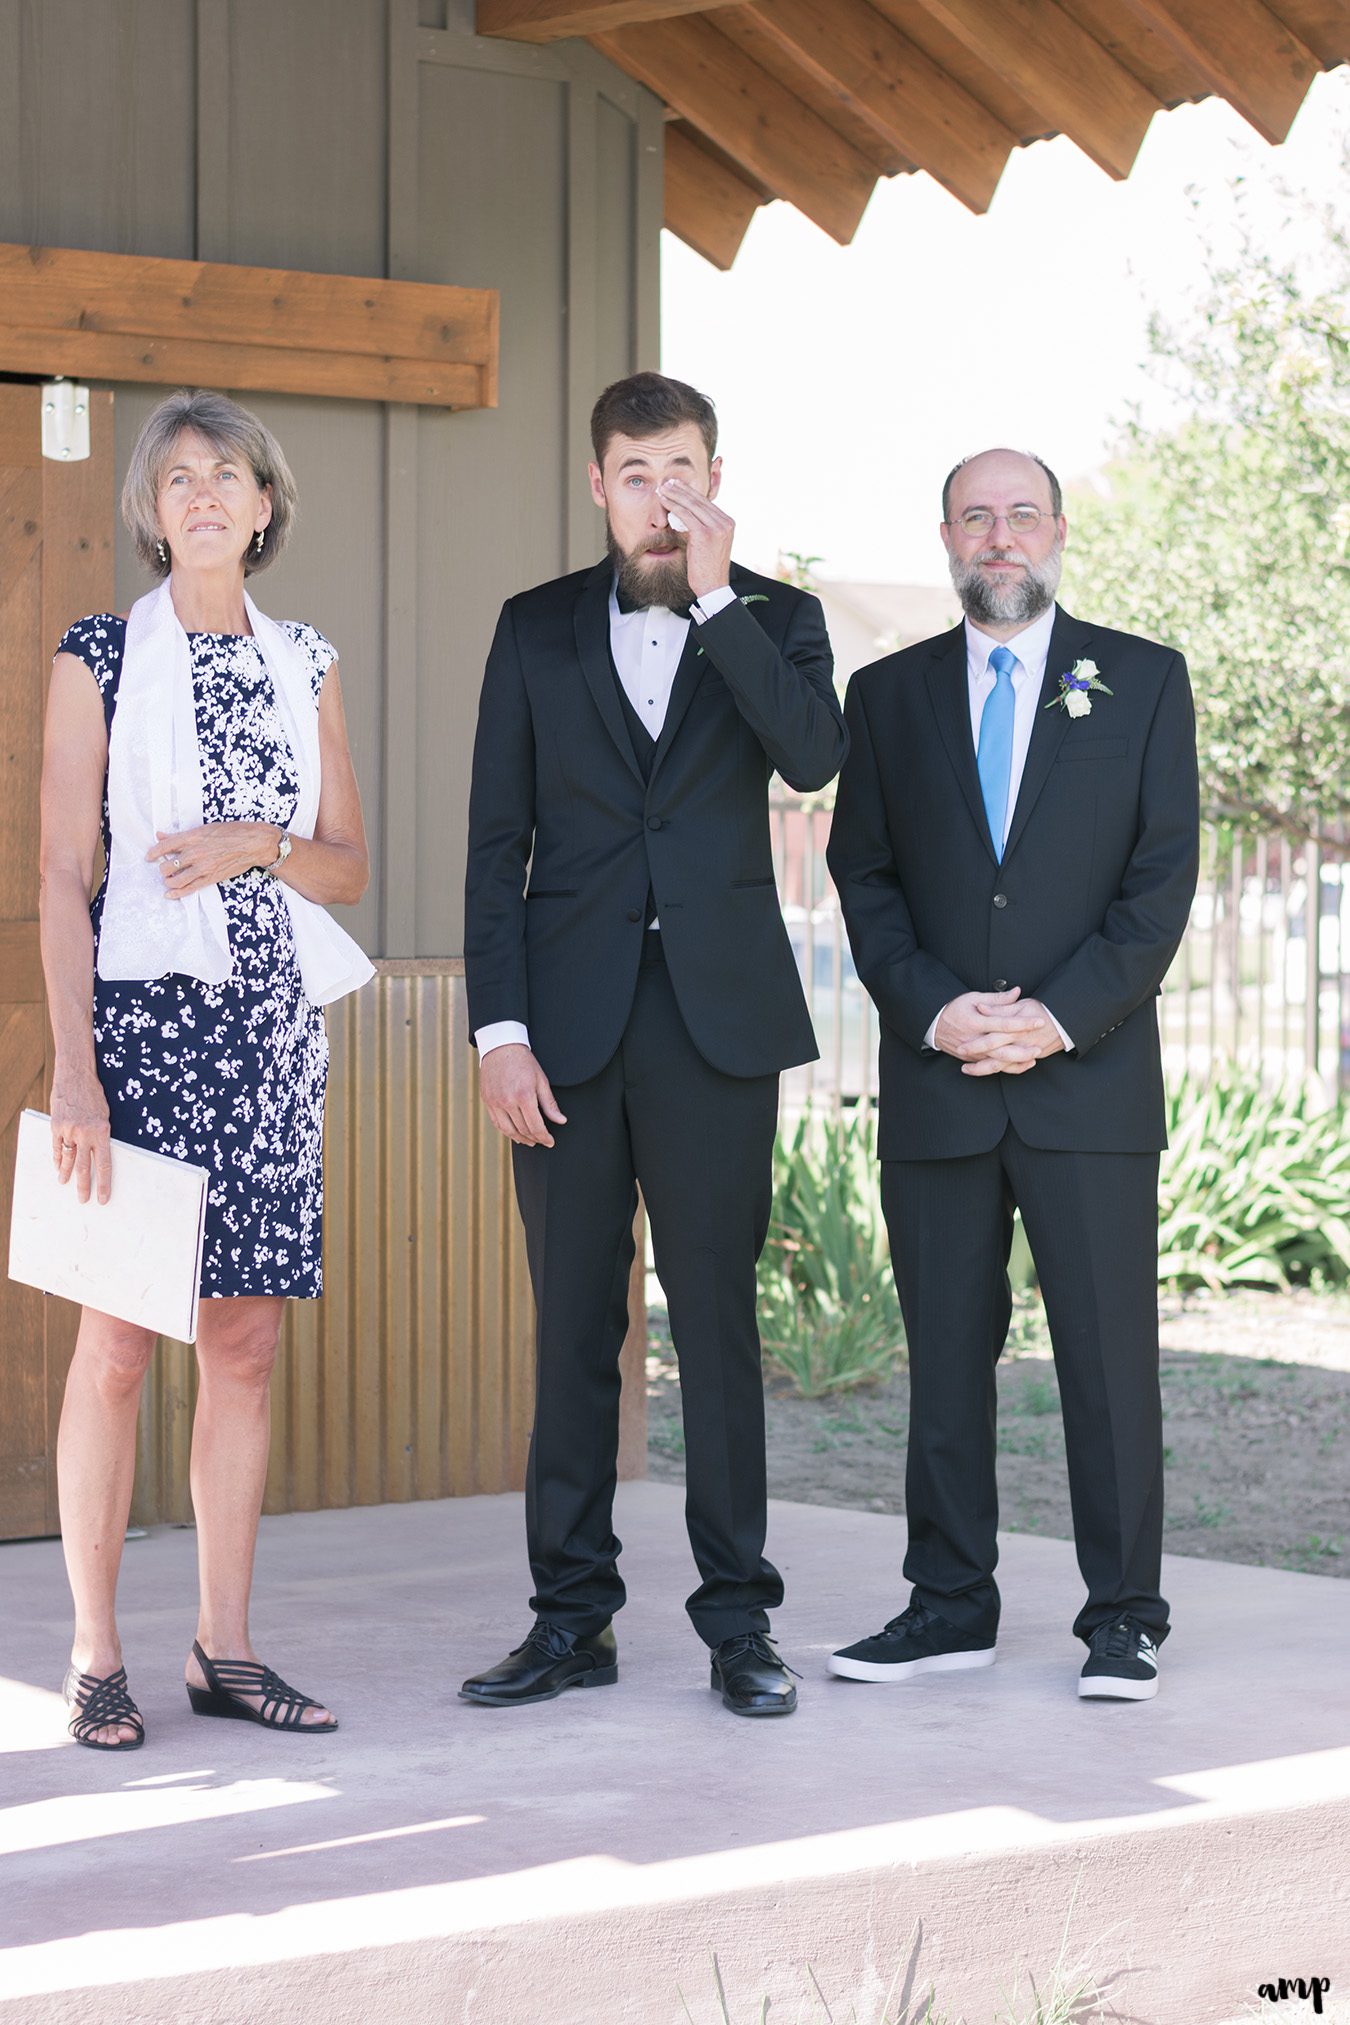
(550, 1660)
(750, 1677)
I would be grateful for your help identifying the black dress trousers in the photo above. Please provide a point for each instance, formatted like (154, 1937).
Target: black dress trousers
(1091, 1220)
(700, 1144)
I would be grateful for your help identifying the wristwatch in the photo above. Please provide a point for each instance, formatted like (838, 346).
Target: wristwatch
(283, 852)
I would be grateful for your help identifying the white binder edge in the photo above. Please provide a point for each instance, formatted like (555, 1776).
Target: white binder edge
(143, 1152)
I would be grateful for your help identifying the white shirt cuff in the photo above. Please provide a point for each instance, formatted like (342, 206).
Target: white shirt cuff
(930, 1038)
(712, 602)
(1068, 1044)
(501, 1034)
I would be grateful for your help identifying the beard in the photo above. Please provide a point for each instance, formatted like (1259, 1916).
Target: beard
(1016, 602)
(642, 582)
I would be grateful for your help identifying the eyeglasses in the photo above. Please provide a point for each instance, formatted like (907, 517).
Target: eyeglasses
(1020, 519)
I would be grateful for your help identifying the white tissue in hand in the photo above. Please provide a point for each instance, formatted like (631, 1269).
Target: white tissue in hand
(679, 526)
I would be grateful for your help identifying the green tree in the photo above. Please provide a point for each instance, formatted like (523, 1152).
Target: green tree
(1228, 534)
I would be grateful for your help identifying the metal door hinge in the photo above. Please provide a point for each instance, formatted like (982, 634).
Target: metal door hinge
(65, 421)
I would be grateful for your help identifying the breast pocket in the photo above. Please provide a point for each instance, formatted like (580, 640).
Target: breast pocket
(1091, 748)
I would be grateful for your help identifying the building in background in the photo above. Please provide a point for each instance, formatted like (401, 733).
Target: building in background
(869, 620)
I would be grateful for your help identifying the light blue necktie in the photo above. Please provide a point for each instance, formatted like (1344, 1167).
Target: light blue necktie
(994, 754)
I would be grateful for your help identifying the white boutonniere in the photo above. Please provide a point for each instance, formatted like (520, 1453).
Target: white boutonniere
(1075, 689)
(750, 598)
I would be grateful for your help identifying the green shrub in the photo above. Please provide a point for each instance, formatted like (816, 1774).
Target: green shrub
(828, 1312)
(1254, 1192)
(1255, 1188)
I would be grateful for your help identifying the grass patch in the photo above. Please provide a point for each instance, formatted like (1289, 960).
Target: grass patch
(1310, 1556)
(1040, 1395)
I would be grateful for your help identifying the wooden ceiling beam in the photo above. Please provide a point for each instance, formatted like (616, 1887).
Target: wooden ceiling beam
(910, 101)
(707, 204)
(742, 27)
(1049, 58)
(121, 316)
(754, 119)
(552, 20)
(1242, 52)
(1323, 24)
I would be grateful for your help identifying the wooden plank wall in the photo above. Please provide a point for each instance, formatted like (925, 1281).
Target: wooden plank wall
(55, 556)
(412, 1377)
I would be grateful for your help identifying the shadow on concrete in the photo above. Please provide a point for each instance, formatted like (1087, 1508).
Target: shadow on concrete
(382, 1610)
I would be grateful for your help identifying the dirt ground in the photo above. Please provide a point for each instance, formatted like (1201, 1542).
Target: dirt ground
(1256, 1422)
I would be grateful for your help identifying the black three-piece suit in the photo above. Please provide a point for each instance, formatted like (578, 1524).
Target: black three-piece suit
(1085, 913)
(663, 1045)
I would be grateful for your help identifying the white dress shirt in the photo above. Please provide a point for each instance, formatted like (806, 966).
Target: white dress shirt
(1032, 649)
(646, 647)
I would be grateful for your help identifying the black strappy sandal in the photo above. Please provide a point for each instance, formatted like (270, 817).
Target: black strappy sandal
(282, 1708)
(96, 1704)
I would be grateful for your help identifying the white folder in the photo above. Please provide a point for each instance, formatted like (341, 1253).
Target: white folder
(137, 1256)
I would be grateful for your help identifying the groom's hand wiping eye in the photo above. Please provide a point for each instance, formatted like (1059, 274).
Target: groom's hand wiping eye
(708, 534)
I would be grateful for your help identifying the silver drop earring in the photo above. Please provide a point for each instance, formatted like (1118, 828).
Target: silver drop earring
(162, 552)
(258, 545)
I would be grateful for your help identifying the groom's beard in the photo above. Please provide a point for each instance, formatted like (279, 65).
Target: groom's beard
(1015, 602)
(643, 583)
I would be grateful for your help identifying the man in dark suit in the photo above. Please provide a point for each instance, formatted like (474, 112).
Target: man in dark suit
(1015, 845)
(633, 996)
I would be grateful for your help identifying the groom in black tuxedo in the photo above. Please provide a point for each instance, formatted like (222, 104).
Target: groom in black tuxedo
(1015, 845)
(633, 997)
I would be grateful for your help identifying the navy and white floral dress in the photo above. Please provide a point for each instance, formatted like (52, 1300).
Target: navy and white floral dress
(229, 1076)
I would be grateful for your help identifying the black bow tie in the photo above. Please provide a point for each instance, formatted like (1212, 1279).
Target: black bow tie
(628, 604)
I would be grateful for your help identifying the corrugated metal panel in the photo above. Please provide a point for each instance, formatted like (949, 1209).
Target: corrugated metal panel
(413, 1377)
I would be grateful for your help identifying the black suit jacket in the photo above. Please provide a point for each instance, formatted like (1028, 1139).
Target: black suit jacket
(557, 790)
(1085, 911)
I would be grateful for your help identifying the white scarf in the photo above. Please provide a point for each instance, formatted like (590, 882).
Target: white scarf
(155, 784)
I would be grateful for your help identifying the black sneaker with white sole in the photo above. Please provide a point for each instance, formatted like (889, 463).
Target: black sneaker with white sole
(917, 1641)
(1122, 1663)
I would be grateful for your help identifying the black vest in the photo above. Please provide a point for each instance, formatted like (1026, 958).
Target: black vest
(644, 752)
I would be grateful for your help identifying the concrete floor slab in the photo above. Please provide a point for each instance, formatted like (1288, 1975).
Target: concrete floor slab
(583, 1862)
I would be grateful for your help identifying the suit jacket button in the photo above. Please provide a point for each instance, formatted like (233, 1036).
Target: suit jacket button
(654, 823)
(1000, 984)
(635, 914)
(1000, 899)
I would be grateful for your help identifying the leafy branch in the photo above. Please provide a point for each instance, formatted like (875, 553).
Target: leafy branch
(1228, 534)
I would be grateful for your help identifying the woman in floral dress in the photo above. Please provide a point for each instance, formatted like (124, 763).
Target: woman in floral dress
(181, 1014)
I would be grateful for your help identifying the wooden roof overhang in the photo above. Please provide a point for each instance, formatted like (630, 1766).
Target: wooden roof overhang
(813, 100)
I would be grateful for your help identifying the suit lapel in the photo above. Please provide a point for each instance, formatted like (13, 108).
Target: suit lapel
(592, 633)
(949, 694)
(1068, 640)
(693, 666)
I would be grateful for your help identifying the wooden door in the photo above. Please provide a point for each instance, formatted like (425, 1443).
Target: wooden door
(56, 563)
